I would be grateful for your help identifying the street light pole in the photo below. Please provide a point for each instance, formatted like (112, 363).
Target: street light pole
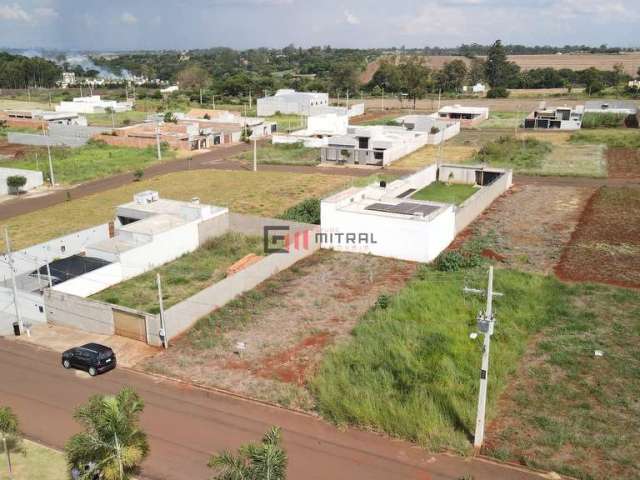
(14, 286)
(165, 340)
(51, 177)
(255, 154)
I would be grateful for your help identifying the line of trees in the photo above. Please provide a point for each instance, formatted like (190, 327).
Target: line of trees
(17, 71)
(112, 446)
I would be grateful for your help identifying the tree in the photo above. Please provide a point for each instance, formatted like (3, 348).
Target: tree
(193, 76)
(498, 70)
(416, 78)
(264, 461)
(452, 75)
(10, 433)
(476, 71)
(112, 443)
(16, 182)
(345, 77)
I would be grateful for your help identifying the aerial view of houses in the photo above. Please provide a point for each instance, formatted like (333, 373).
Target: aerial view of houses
(235, 246)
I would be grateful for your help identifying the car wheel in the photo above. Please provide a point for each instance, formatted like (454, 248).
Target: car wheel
(66, 364)
(92, 371)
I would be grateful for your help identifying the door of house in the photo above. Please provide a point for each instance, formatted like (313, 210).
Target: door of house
(130, 325)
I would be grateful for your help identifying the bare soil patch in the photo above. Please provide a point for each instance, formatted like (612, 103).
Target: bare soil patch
(623, 162)
(605, 246)
(528, 227)
(286, 323)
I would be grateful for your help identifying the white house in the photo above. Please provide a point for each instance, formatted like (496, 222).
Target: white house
(561, 118)
(170, 89)
(466, 115)
(319, 128)
(477, 88)
(382, 219)
(439, 130)
(288, 101)
(93, 104)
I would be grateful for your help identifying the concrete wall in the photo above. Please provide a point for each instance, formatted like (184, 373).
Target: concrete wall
(253, 225)
(212, 228)
(469, 210)
(59, 135)
(31, 306)
(34, 179)
(29, 259)
(356, 110)
(76, 312)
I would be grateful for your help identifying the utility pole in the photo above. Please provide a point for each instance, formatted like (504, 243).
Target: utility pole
(4, 444)
(158, 140)
(486, 323)
(49, 99)
(439, 95)
(51, 177)
(250, 103)
(14, 286)
(347, 99)
(165, 340)
(200, 96)
(255, 154)
(213, 101)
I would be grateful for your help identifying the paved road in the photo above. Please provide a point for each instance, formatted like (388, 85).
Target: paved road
(186, 424)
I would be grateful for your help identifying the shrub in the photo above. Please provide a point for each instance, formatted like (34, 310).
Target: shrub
(383, 301)
(16, 182)
(138, 174)
(435, 130)
(498, 92)
(450, 261)
(126, 122)
(603, 120)
(307, 211)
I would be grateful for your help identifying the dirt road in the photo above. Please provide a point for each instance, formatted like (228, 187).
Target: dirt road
(185, 425)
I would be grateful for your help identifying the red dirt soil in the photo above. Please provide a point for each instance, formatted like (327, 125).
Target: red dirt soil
(623, 163)
(605, 246)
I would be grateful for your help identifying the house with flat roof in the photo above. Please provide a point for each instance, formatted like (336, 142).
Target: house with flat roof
(93, 104)
(183, 135)
(39, 118)
(288, 101)
(551, 118)
(385, 219)
(467, 116)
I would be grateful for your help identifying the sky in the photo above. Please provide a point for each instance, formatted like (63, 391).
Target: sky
(108, 25)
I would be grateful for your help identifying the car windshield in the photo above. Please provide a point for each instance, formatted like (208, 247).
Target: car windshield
(105, 354)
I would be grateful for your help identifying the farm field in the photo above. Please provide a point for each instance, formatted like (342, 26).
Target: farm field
(184, 276)
(94, 160)
(282, 351)
(605, 247)
(268, 194)
(38, 462)
(282, 154)
(623, 163)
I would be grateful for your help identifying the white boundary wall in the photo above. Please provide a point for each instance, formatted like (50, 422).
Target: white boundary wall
(31, 307)
(30, 258)
(34, 179)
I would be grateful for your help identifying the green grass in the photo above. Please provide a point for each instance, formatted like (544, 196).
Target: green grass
(184, 276)
(5, 130)
(603, 120)
(38, 462)
(411, 370)
(121, 118)
(520, 154)
(455, 193)
(288, 122)
(506, 120)
(611, 138)
(385, 120)
(283, 154)
(89, 162)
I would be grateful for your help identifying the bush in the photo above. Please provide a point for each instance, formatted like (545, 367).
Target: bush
(498, 92)
(451, 261)
(603, 120)
(307, 211)
(383, 302)
(512, 152)
(138, 174)
(16, 182)
(434, 130)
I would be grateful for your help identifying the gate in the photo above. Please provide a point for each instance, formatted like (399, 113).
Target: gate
(131, 325)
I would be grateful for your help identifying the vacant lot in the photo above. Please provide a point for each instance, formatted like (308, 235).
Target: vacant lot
(605, 247)
(323, 296)
(38, 462)
(95, 160)
(445, 193)
(282, 154)
(265, 193)
(567, 410)
(118, 119)
(621, 138)
(530, 225)
(623, 162)
(506, 120)
(410, 370)
(183, 277)
(430, 154)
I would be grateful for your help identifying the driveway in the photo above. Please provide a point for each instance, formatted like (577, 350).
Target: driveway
(186, 424)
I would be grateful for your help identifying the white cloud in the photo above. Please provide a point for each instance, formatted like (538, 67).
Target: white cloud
(350, 18)
(128, 18)
(14, 12)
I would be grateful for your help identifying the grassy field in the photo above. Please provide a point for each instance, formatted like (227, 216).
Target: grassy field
(430, 154)
(265, 193)
(183, 277)
(4, 131)
(120, 118)
(570, 411)
(506, 120)
(385, 120)
(287, 123)
(410, 370)
(283, 154)
(624, 138)
(95, 160)
(445, 193)
(38, 462)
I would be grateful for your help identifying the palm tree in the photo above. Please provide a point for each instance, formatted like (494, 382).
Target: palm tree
(264, 461)
(112, 442)
(10, 433)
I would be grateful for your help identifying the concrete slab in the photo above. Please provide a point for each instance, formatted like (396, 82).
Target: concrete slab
(129, 352)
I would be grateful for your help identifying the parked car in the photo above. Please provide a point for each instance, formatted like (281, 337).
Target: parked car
(92, 357)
